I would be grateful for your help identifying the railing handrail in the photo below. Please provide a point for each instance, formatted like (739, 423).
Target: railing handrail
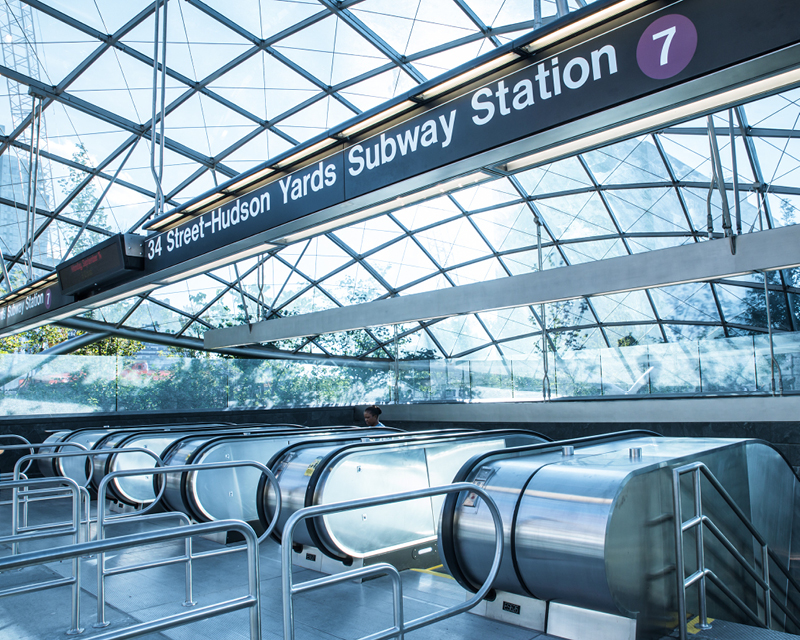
(401, 627)
(32, 445)
(161, 470)
(699, 520)
(251, 601)
(71, 485)
(85, 453)
(745, 520)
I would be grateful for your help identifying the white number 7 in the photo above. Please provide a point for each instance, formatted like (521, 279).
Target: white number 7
(669, 34)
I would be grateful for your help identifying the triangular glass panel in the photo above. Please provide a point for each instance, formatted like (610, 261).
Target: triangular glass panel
(310, 301)
(376, 90)
(693, 302)
(401, 263)
(459, 333)
(154, 317)
(508, 228)
(427, 213)
(564, 175)
(429, 284)
(453, 243)
(632, 161)
(490, 269)
(321, 258)
(647, 210)
(488, 194)
(775, 112)
(623, 307)
(354, 285)
(315, 119)
(579, 252)
(265, 86)
(363, 236)
(577, 216)
(441, 62)
(509, 323)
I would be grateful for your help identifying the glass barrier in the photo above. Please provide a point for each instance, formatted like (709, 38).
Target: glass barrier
(37, 384)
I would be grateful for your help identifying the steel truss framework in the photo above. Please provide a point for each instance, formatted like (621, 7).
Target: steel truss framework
(241, 92)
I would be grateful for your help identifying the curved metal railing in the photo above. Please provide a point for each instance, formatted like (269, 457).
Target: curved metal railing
(400, 626)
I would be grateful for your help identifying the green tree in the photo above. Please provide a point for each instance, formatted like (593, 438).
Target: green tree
(41, 338)
(83, 203)
(627, 341)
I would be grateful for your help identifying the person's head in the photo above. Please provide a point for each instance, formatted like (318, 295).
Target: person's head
(371, 414)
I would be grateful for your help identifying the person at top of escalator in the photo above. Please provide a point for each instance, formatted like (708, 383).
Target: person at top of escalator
(371, 414)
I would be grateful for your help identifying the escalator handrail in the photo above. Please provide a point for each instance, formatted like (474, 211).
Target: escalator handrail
(447, 522)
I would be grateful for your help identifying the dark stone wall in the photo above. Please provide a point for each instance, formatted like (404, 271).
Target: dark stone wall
(784, 435)
(37, 428)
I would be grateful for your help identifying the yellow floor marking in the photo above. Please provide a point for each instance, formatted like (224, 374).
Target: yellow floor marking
(692, 626)
(434, 573)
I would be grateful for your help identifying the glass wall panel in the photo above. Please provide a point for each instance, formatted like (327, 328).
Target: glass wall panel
(727, 365)
(36, 384)
(528, 378)
(491, 380)
(578, 373)
(786, 347)
(626, 371)
(676, 368)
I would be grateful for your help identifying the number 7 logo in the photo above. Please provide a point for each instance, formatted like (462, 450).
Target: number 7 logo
(667, 46)
(668, 35)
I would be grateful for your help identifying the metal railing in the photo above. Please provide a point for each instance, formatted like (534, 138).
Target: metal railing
(74, 579)
(702, 522)
(27, 445)
(100, 547)
(87, 500)
(400, 626)
(32, 496)
(189, 556)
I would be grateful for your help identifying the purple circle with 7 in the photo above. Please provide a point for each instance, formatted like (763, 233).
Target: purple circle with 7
(667, 46)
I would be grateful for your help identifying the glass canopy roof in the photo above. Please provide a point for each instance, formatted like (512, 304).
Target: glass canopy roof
(250, 79)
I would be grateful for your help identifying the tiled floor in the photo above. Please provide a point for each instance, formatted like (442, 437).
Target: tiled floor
(346, 611)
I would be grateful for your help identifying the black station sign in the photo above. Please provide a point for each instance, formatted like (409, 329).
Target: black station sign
(669, 43)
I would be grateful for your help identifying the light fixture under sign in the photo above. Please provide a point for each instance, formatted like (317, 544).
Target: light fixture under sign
(461, 182)
(654, 122)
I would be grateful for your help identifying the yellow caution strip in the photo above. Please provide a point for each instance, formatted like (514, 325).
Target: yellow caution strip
(435, 573)
(692, 626)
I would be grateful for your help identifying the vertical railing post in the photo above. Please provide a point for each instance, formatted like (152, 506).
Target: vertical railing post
(679, 570)
(701, 560)
(189, 602)
(768, 590)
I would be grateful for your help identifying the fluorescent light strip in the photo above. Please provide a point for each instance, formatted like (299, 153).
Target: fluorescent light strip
(260, 175)
(391, 205)
(650, 123)
(216, 264)
(307, 153)
(582, 24)
(468, 76)
(378, 118)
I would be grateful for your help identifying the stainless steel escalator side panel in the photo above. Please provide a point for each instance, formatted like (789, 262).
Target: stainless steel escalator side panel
(597, 531)
(294, 467)
(372, 469)
(140, 489)
(504, 475)
(219, 494)
(46, 465)
(114, 437)
(178, 454)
